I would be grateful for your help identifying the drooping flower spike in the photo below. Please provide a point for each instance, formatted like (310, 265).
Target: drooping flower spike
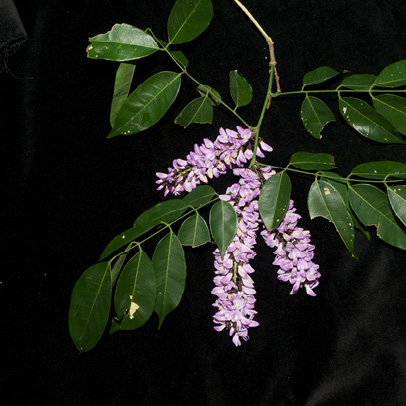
(234, 286)
(293, 253)
(231, 149)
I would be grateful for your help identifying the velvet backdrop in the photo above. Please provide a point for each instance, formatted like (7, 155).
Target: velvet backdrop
(67, 190)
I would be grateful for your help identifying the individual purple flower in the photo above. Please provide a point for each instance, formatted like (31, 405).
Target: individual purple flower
(234, 286)
(231, 149)
(293, 253)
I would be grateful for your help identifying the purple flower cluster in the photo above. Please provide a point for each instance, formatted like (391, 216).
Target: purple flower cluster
(211, 159)
(234, 286)
(293, 253)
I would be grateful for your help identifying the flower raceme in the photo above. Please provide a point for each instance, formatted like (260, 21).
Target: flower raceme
(211, 159)
(293, 253)
(234, 286)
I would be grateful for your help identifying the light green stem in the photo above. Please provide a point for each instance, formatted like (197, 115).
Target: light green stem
(265, 106)
(133, 244)
(346, 179)
(338, 91)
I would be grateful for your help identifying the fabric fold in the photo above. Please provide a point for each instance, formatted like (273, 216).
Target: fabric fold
(12, 31)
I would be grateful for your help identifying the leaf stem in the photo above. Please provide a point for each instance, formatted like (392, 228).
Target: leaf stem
(184, 70)
(346, 179)
(338, 91)
(220, 101)
(133, 244)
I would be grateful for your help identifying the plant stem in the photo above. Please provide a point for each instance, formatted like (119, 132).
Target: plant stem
(338, 91)
(346, 179)
(268, 39)
(266, 105)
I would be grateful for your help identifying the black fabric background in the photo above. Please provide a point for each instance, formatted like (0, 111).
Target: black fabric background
(67, 190)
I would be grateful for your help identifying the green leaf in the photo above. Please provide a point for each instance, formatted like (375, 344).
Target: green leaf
(372, 207)
(341, 185)
(90, 306)
(120, 241)
(274, 199)
(199, 196)
(240, 89)
(363, 81)
(122, 84)
(314, 162)
(180, 57)
(147, 104)
(194, 231)
(170, 271)
(199, 111)
(118, 264)
(213, 94)
(380, 170)
(223, 224)
(393, 75)
(315, 114)
(188, 19)
(163, 212)
(122, 43)
(397, 200)
(324, 200)
(134, 298)
(393, 108)
(319, 75)
(115, 326)
(336, 178)
(364, 119)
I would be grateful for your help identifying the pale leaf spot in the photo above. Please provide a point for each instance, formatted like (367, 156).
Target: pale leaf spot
(326, 191)
(133, 308)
